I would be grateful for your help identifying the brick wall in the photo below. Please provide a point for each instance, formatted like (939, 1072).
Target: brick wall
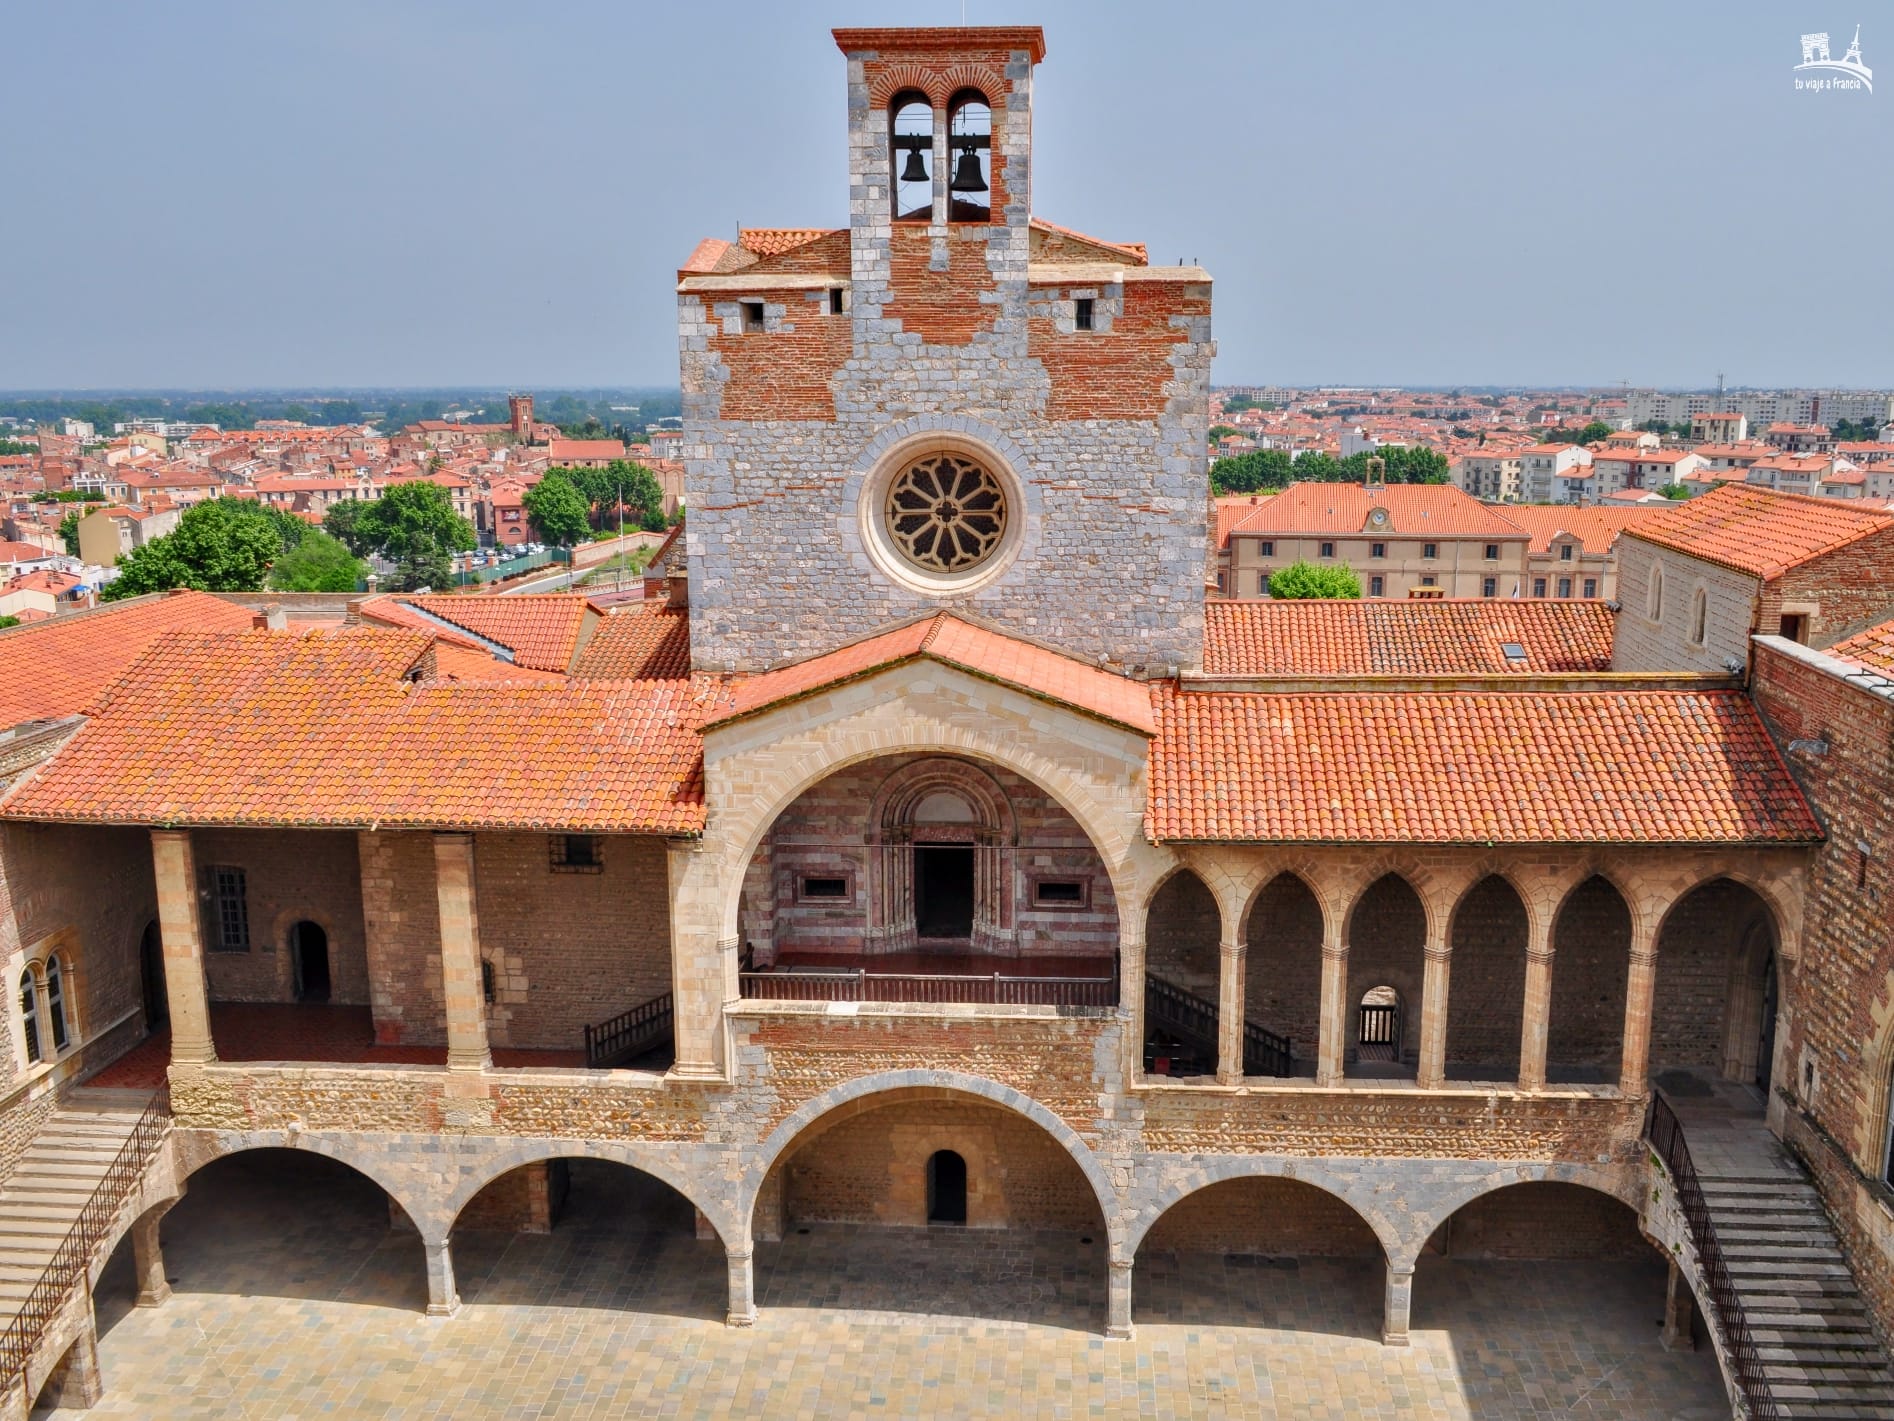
(871, 1168)
(570, 949)
(1853, 587)
(1591, 959)
(289, 877)
(1387, 935)
(1121, 369)
(1283, 963)
(1487, 986)
(402, 928)
(1542, 1220)
(1266, 1218)
(1182, 932)
(1696, 954)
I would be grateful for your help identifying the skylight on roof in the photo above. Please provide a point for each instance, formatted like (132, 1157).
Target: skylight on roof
(1512, 651)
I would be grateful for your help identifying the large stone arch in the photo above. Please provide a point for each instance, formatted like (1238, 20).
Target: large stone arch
(198, 1148)
(1205, 1172)
(792, 1130)
(1446, 1200)
(1313, 877)
(1714, 974)
(477, 1172)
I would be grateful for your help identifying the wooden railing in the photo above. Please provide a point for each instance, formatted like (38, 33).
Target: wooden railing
(1194, 1018)
(67, 1269)
(628, 1035)
(1666, 1137)
(904, 987)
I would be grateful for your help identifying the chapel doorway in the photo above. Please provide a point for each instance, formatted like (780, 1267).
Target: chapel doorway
(943, 892)
(946, 1188)
(309, 949)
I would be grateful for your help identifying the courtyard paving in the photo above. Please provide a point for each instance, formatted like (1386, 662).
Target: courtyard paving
(295, 1300)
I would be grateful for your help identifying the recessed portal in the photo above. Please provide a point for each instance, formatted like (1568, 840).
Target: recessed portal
(310, 944)
(151, 973)
(943, 891)
(946, 1188)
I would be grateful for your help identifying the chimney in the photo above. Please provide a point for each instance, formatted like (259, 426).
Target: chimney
(270, 618)
(678, 587)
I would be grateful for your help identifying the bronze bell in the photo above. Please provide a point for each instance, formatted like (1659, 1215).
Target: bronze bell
(967, 174)
(915, 169)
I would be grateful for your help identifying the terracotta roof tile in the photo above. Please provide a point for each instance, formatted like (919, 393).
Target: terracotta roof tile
(774, 241)
(988, 654)
(1596, 528)
(1757, 530)
(1483, 767)
(256, 728)
(541, 629)
(1373, 638)
(60, 667)
(1873, 649)
(1413, 510)
(639, 641)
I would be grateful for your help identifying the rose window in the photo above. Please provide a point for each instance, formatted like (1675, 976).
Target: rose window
(946, 513)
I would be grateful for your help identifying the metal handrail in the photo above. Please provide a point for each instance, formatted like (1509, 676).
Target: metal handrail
(1666, 1136)
(854, 985)
(71, 1261)
(1264, 1052)
(617, 1035)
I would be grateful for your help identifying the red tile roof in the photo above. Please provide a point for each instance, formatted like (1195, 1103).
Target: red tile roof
(541, 629)
(59, 667)
(1873, 649)
(1371, 638)
(258, 728)
(774, 241)
(1596, 528)
(638, 641)
(1483, 767)
(990, 655)
(1757, 530)
(560, 450)
(1413, 510)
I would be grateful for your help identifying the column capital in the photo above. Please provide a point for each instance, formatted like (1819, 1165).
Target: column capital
(1231, 949)
(1437, 952)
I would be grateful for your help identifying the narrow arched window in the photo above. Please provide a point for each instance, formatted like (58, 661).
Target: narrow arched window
(1700, 617)
(29, 1017)
(970, 157)
(56, 1003)
(911, 156)
(1654, 602)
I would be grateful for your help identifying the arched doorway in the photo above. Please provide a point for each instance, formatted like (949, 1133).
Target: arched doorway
(1715, 954)
(1379, 1026)
(946, 1188)
(151, 977)
(309, 958)
(1182, 966)
(1387, 937)
(1261, 1251)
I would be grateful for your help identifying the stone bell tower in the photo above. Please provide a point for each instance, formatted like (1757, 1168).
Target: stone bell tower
(948, 404)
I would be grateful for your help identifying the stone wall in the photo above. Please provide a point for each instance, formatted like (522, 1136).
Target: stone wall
(1387, 932)
(1542, 1220)
(401, 920)
(1486, 1006)
(1265, 1218)
(1591, 955)
(1283, 967)
(1642, 642)
(1697, 957)
(289, 877)
(1181, 936)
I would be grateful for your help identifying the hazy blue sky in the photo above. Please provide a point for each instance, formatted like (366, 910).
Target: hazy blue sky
(396, 192)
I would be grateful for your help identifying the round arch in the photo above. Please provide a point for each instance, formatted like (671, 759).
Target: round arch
(787, 1135)
(208, 1151)
(1222, 1171)
(477, 1175)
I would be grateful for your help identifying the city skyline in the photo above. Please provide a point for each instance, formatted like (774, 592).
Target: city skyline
(465, 196)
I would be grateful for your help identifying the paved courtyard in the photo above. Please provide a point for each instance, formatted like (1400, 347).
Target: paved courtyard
(295, 1300)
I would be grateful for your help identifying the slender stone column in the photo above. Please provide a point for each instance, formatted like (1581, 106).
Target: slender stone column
(148, 1260)
(461, 988)
(1639, 987)
(1131, 954)
(1536, 1019)
(704, 972)
(1433, 1035)
(175, 868)
(442, 1299)
(1332, 1042)
(1230, 1014)
(1118, 1299)
(1679, 1308)
(1400, 1297)
(742, 1287)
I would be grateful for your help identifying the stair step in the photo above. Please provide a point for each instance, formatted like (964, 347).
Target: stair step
(1790, 1267)
(1861, 1346)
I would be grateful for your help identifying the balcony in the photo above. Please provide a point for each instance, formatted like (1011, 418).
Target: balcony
(935, 978)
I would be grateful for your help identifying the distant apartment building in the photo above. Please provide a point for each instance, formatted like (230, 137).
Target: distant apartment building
(1761, 407)
(1492, 478)
(1799, 438)
(111, 533)
(1722, 427)
(1573, 552)
(1543, 465)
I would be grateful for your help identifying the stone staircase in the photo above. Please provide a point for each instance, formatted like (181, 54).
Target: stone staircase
(1808, 1320)
(59, 1172)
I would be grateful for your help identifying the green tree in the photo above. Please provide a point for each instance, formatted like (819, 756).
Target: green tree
(318, 563)
(1252, 472)
(1222, 431)
(1303, 580)
(340, 523)
(15, 446)
(6, 622)
(557, 510)
(220, 545)
(602, 488)
(69, 534)
(413, 526)
(1590, 434)
(1674, 491)
(1315, 467)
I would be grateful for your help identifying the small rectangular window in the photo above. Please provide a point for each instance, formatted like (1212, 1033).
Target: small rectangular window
(1377, 550)
(1430, 550)
(1082, 313)
(1328, 550)
(1492, 552)
(838, 302)
(1591, 587)
(1429, 581)
(1538, 587)
(1792, 626)
(831, 889)
(1268, 549)
(576, 853)
(1565, 587)
(1489, 587)
(230, 891)
(752, 315)
(1220, 582)
(1262, 581)
(1377, 587)
(1059, 893)
(1565, 552)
